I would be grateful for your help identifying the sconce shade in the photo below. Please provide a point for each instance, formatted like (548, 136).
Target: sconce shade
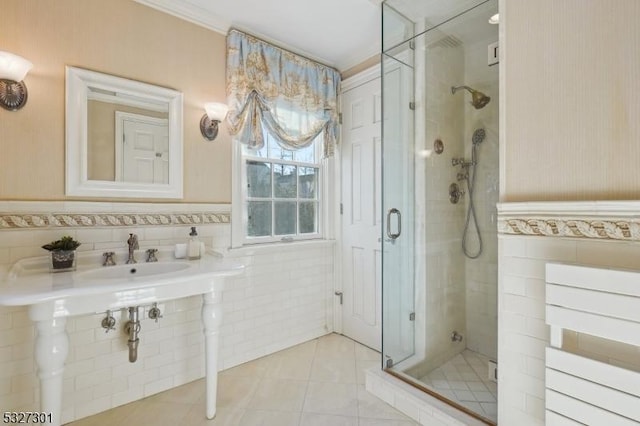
(13, 67)
(216, 112)
(13, 91)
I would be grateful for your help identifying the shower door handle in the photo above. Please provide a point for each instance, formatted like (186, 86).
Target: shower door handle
(390, 234)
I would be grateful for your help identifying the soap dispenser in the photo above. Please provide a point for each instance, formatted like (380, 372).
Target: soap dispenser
(193, 246)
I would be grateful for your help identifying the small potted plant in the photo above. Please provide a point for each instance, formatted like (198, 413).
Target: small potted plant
(63, 254)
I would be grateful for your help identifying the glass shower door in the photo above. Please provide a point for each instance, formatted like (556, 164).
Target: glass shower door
(397, 237)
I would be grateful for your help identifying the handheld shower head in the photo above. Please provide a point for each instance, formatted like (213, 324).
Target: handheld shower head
(478, 136)
(478, 99)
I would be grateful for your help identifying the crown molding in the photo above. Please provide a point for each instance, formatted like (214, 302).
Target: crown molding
(361, 78)
(207, 19)
(189, 12)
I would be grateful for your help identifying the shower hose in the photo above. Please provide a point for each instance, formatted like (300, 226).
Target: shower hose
(471, 211)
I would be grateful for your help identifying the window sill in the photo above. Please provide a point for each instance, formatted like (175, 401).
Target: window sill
(279, 246)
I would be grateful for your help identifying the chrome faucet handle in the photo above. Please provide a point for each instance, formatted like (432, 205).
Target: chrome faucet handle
(108, 322)
(155, 313)
(151, 255)
(108, 258)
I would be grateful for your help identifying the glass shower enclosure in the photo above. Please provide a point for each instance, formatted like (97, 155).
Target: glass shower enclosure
(439, 191)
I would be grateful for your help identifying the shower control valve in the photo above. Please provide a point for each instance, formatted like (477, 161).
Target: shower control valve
(455, 193)
(463, 176)
(457, 161)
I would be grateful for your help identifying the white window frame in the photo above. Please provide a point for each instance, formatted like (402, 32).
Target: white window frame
(239, 215)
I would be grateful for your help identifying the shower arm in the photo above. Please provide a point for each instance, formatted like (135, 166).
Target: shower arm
(454, 89)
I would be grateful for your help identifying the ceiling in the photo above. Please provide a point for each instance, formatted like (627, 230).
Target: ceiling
(338, 33)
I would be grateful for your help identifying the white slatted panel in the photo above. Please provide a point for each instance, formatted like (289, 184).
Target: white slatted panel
(607, 280)
(595, 371)
(599, 302)
(593, 393)
(596, 325)
(554, 419)
(582, 412)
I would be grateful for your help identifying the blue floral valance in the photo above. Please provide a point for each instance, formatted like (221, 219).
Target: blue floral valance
(293, 98)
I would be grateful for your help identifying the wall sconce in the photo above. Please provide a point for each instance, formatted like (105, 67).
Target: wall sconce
(216, 112)
(13, 91)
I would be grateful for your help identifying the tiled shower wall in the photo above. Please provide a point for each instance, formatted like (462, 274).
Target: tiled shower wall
(481, 274)
(283, 298)
(443, 299)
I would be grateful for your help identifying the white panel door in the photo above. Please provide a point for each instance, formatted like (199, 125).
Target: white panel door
(145, 149)
(361, 204)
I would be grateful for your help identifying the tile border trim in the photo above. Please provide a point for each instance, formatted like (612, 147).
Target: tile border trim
(71, 215)
(602, 220)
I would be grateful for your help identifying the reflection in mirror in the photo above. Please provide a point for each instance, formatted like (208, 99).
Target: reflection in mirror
(126, 143)
(124, 138)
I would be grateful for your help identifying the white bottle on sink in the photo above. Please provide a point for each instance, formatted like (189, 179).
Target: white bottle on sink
(193, 246)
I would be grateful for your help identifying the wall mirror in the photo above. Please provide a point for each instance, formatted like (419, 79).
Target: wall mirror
(123, 137)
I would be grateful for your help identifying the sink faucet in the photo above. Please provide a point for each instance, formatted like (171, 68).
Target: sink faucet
(133, 245)
(151, 255)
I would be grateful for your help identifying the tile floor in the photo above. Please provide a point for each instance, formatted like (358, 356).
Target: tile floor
(317, 383)
(464, 379)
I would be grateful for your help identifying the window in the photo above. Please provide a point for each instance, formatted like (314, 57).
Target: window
(280, 192)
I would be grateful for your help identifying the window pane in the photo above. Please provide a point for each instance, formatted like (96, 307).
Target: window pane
(285, 212)
(308, 182)
(258, 179)
(285, 177)
(308, 216)
(308, 154)
(259, 220)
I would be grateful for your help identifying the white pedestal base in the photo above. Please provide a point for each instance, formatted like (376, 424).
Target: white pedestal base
(52, 348)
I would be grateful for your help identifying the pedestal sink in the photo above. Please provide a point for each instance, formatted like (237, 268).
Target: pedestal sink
(52, 297)
(133, 271)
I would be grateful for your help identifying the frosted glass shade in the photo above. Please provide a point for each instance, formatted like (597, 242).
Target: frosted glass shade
(216, 110)
(13, 67)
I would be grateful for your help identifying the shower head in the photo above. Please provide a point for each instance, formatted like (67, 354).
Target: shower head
(478, 136)
(478, 99)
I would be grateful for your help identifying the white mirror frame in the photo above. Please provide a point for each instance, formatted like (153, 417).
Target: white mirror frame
(78, 82)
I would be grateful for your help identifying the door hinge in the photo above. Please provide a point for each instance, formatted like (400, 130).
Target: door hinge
(412, 316)
(341, 208)
(412, 106)
(339, 293)
(339, 118)
(389, 363)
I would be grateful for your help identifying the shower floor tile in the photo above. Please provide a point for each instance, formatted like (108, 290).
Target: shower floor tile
(465, 380)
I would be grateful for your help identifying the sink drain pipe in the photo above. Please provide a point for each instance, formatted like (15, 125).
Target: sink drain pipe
(132, 328)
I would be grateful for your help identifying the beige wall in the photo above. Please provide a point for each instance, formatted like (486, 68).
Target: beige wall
(572, 99)
(118, 37)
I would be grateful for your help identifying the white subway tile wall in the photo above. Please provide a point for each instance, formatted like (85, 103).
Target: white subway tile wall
(523, 334)
(281, 300)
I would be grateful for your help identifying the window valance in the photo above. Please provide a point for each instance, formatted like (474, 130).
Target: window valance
(269, 88)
